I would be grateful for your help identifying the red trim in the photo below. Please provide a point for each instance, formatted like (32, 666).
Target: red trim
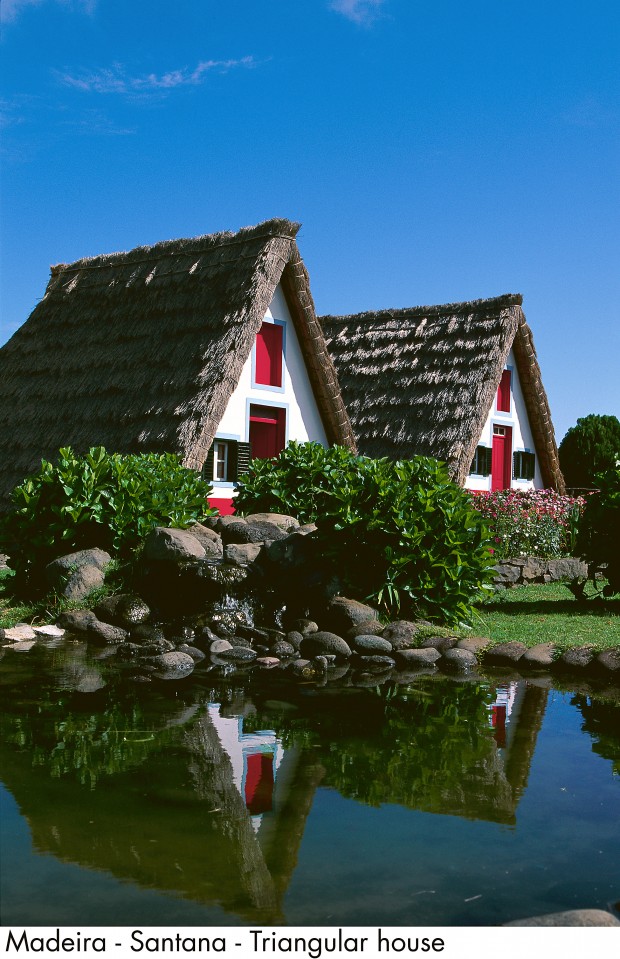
(268, 370)
(224, 506)
(259, 782)
(503, 393)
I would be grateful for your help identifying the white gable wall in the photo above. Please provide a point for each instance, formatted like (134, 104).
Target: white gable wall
(522, 438)
(303, 420)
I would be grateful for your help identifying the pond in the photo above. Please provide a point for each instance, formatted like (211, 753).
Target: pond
(224, 800)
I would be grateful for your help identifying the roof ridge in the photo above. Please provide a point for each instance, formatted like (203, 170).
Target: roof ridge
(276, 228)
(369, 316)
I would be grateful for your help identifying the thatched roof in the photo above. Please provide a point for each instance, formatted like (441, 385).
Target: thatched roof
(422, 380)
(141, 351)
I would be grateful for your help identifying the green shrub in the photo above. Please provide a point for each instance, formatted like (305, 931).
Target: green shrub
(530, 522)
(100, 499)
(400, 534)
(599, 531)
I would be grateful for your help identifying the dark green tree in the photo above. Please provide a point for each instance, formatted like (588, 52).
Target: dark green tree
(590, 447)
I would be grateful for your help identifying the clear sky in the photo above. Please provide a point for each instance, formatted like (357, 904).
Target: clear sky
(434, 151)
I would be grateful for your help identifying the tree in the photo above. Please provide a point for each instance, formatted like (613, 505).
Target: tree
(590, 447)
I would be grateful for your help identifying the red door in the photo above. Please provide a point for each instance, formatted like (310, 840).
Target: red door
(501, 458)
(267, 431)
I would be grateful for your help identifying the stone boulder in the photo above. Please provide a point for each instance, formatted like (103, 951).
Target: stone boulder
(172, 545)
(401, 633)
(287, 523)
(259, 531)
(459, 660)
(341, 614)
(572, 917)
(577, 658)
(322, 643)
(365, 645)
(410, 658)
(242, 554)
(210, 541)
(59, 570)
(540, 656)
(19, 633)
(505, 653)
(609, 659)
(173, 665)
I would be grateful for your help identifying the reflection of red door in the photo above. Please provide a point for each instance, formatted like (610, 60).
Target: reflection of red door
(259, 782)
(501, 458)
(267, 431)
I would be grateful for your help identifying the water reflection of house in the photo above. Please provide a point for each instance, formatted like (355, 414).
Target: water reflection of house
(216, 842)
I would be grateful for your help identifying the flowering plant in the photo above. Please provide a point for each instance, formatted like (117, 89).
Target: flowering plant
(530, 522)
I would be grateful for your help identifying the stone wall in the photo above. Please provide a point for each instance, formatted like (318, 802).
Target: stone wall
(522, 570)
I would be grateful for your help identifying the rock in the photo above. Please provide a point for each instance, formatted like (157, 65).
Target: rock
(459, 659)
(210, 541)
(155, 647)
(505, 653)
(540, 656)
(81, 582)
(147, 634)
(49, 632)
(280, 520)
(609, 659)
(283, 650)
(267, 661)
(219, 523)
(173, 665)
(172, 545)
(59, 569)
(294, 638)
(342, 613)
(573, 917)
(77, 620)
(567, 569)
(19, 633)
(441, 643)
(533, 569)
(318, 644)
(258, 532)
(507, 574)
(238, 654)
(106, 633)
(473, 644)
(122, 609)
(417, 657)
(370, 644)
(293, 551)
(218, 646)
(304, 626)
(577, 658)
(401, 633)
(370, 627)
(196, 654)
(242, 554)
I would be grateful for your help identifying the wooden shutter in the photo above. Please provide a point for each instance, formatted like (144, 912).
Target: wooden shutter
(269, 341)
(207, 467)
(503, 393)
(243, 457)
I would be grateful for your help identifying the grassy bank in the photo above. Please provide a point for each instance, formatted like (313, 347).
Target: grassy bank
(549, 614)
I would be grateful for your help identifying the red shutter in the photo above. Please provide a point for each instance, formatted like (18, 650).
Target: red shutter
(503, 393)
(268, 370)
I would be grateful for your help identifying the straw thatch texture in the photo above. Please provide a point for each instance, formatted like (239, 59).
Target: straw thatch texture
(141, 351)
(422, 380)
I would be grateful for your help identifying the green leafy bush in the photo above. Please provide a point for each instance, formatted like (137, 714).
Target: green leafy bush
(589, 448)
(100, 499)
(599, 530)
(530, 522)
(401, 534)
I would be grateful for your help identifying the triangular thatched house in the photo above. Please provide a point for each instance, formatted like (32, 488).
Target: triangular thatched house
(169, 348)
(459, 382)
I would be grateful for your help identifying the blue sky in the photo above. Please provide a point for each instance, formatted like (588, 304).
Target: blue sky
(433, 152)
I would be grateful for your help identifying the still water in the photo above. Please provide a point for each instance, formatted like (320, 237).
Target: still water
(223, 801)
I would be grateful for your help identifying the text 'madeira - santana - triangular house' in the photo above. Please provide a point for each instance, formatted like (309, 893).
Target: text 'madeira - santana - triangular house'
(458, 382)
(202, 347)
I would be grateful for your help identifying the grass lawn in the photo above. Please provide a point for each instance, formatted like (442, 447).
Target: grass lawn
(549, 613)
